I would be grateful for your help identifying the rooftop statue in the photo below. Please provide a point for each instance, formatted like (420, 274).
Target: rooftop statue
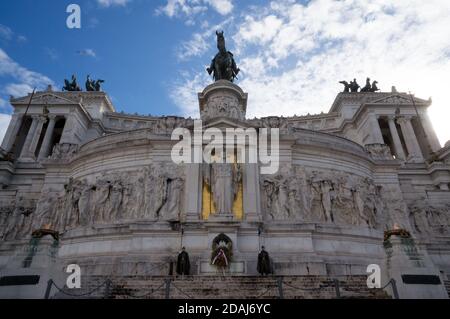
(223, 66)
(353, 86)
(71, 86)
(367, 87)
(346, 86)
(92, 85)
(374, 87)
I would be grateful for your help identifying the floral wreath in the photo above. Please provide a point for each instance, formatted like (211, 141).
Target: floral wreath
(402, 233)
(222, 253)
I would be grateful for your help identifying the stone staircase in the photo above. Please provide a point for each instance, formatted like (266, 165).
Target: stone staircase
(447, 286)
(226, 287)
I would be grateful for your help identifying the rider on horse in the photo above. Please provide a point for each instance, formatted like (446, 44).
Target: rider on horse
(223, 65)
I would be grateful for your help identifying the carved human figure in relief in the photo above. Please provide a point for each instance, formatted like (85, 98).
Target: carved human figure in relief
(84, 204)
(269, 192)
(43, 215)
(171, 208)
(114, 202)
(324, 188)
(101, 197)
(281, 208)
(286, 194)
(147, 194)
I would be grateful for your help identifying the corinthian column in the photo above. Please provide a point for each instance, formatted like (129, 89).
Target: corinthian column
(29, 138)
(410, 138)
(430, 132)
(375, 132)
(37, 135)
(398, 147)
(13, 130)
(45, 148)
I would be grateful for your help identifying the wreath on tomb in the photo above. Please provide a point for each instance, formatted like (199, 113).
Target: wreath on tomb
(222, 251)
(402, 233)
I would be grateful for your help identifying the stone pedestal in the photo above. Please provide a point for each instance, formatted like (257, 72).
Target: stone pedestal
(235, 268)
(27, 273)
(222, 99)
(414, 272)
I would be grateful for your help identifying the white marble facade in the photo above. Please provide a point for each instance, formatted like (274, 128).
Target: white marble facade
(105, 181)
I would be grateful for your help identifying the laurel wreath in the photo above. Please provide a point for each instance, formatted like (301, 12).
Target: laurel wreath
(220, 262)
(403, 233)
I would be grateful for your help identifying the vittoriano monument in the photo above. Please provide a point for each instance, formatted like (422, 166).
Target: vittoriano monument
(367, 183)
(223, 66)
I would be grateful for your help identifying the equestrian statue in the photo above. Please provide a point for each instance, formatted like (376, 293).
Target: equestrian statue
(223, 66)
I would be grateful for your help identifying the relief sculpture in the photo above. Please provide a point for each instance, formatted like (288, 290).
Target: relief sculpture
(152, 193)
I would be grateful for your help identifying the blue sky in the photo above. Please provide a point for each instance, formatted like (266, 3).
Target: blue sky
(153, 54)
(131, 47)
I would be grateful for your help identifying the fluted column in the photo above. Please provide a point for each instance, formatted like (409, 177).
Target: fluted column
(29, 152)
(410, 138)
(37, 135)
(12, 131)
(46, 143)
(69, 129)
(432, 138)
(29, 138)
(398, 147)
(375, 130)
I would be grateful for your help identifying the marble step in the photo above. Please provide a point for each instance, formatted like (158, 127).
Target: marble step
(210, 287)
(447, 286)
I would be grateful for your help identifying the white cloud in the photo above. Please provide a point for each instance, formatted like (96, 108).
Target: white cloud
(190, 8)
(24, 79)
(6, 32)
(4, 122)
(87, 52)
(223, 7)
(14, 89)
(199, 43)
(182, 92)
(111, 3)
(292, 55)
(196, 46)
(22, 38)
(52, 53)
(259, 31)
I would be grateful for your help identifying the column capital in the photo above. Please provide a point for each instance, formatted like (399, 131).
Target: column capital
(51, 116)
(39, 117)
(404, 118)
(391, 117)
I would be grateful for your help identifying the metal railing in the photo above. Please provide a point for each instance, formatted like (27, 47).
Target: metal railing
(167, 284)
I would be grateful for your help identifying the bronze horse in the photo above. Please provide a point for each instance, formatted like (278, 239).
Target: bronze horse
(223, 66)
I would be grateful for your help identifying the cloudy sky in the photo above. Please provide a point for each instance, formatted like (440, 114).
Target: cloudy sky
(292, 54)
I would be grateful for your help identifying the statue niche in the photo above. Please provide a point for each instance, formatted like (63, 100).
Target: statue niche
(222, 189)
